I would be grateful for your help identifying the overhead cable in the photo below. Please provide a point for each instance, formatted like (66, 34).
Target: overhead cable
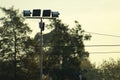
(102, 34)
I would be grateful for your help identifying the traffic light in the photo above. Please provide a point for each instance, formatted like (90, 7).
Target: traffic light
(55, 14)
(46, 13)
(36, 12)
(26, 13)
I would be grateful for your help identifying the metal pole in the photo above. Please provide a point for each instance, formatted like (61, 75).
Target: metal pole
(80, 76)
(14, 54)
(41, 56)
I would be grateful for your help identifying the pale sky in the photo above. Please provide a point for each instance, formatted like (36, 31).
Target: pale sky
(98, 16)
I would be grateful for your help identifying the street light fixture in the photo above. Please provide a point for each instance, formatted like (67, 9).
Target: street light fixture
(36, 14)
(46, 13)
(26, 13)
(55, 14)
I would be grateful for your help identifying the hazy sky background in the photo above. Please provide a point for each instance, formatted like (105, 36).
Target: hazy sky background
(97, 16)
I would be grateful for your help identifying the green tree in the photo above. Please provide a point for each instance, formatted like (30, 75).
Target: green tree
(110, 70)
(13, 36)
(91, 73)
(63, 51)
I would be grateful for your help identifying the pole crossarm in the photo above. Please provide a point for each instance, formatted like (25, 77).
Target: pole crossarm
(39, 17)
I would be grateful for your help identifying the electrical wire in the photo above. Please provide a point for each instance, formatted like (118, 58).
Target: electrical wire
(110, 52)
(102, 34)
(116, 45)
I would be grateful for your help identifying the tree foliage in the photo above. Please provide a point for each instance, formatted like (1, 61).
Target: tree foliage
(63, 51)
(14, 32)
(13, 37)
(110, 70)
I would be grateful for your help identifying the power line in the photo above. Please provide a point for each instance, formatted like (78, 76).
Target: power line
(102, 34)
(110, 52)
(117, 45)
(81, 46)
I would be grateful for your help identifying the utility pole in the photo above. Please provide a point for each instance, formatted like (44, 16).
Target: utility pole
(47, 14)
(14, 54)
(41, 55)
